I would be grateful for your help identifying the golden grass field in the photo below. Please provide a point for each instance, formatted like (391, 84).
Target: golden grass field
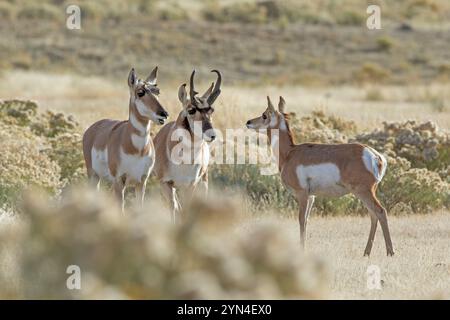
(421, 267)
(318, 55)
(92, 98)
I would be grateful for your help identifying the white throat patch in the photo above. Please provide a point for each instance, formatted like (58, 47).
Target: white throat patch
(139, 126)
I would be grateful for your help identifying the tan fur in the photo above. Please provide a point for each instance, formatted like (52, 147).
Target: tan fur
(174, 176)
(354, 177)
(116, 138)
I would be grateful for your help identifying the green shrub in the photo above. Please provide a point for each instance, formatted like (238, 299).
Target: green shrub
(66, 150)
(385, 43)
(350, 17)
(263, 191)
(413, 189)
(374, 94)
(173, 13)
(438, 104)
(43, 11)
(52, 142)
(372, 72)
(243, 12)
(422, 144)
(24, 163)
(7, 11)
(18, 112)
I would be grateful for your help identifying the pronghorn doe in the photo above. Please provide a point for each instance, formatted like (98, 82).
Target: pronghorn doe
(122, 151)
(311, 169)
(193, 130)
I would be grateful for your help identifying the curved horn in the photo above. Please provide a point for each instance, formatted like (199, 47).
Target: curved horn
(216, 91)
(208, 91)
(192, 91)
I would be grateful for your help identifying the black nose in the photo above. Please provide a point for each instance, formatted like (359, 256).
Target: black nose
(213, 138)
(163, 114)
(248, 122)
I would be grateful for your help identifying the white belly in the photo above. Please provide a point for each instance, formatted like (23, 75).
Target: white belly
(187, 174)
(135, 167)
(321, 179)
(100, 163)
(184, 175)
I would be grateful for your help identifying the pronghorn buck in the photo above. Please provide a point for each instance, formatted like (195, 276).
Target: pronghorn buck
(122, 151)
(190, 133)
(311, 169)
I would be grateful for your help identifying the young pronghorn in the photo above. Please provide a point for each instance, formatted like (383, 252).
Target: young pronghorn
(311, 169)
(122, 151)
(195, 121)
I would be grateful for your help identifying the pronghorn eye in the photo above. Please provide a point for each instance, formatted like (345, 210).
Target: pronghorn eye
(141, 93)
(192, 111)
(264, 116)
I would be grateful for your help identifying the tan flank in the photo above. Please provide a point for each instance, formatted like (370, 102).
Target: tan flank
(311, 169)
(122, 151)
(173, 175)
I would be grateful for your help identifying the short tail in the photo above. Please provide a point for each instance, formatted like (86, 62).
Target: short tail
(375, 163)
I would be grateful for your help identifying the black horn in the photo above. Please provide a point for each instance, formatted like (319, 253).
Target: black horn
(192, 92)
(216, 91)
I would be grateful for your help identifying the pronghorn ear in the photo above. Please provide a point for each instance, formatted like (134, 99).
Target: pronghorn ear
(281, 104)
(132, 78)
(153, 76)
(182, 94)
(269, 104)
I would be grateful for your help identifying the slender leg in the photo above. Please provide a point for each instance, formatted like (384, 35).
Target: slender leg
(187, 196)
(119, 192)
(370, 200)
(204, 185)
(140, 192)
(302, 199)
(169, 193)
(309, 206)
(94, 180)
(373, 229)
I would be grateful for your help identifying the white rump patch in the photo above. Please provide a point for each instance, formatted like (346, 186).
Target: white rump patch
(323, 178)
(370, 158)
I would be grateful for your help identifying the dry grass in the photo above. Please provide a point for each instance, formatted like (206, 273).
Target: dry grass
(420, 268)
(92, 98)
(404, 75)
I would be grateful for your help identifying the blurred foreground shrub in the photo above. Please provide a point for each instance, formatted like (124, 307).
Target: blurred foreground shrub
(144, 255)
